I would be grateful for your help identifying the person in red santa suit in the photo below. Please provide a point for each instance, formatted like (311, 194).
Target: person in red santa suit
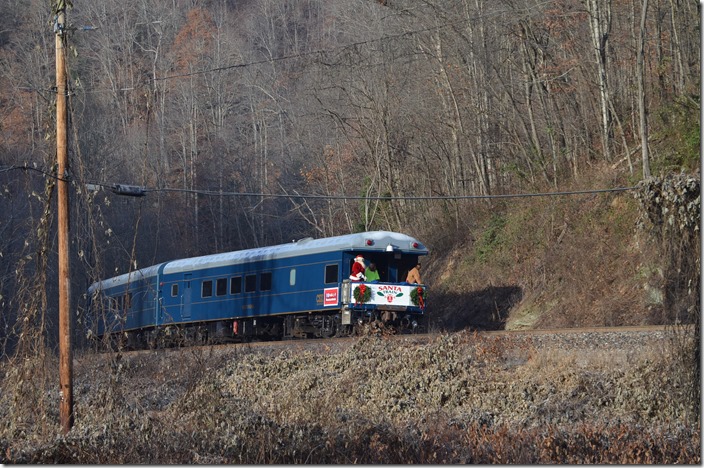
(358, 268)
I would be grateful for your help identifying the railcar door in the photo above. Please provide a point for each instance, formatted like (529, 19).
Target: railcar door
(186, 305)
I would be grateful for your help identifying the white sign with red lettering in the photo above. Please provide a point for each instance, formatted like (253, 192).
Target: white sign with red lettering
(386, 294)
(391, 294)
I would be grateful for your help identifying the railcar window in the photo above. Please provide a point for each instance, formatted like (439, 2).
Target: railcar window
(128, 301)
(265, 282)
(331, 274)
(250, 283)
(221, 287)
(236, 285)
(174, 290)
(292, 277)
(207, 290)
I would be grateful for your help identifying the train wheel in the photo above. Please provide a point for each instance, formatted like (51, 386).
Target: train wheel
(329, 326)
(201, 336)
(343, 330)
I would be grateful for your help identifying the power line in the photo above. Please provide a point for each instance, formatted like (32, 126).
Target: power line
(31, 168)
(390, 198)
(292, 56)
(350, 45)
(133, 190)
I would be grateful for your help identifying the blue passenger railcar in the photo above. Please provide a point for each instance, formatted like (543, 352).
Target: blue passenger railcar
(291, 290)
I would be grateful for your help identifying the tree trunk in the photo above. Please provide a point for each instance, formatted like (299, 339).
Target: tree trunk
(641, 92)
(600, 26)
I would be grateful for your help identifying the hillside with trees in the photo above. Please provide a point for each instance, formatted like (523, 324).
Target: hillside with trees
(228, 111)
(252, 123)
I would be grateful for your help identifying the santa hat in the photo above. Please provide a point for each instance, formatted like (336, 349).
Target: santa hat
(358, 258)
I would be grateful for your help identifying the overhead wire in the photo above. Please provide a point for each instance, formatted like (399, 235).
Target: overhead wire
(390, 198)
(31, 168)
(338, 48)
(350, 45)
(320, 196)
(221, 193)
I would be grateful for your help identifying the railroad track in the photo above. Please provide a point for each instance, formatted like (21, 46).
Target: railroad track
(420, 338)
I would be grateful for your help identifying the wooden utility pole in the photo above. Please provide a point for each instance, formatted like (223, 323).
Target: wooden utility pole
(65, 350)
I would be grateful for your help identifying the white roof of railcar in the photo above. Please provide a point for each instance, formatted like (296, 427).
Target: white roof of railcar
(357, 241)
(130, 277)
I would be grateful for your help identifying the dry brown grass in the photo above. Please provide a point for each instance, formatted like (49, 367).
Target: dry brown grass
(568, 262)
(462, 398)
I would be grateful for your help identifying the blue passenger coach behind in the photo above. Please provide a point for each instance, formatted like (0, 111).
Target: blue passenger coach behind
(296, 290)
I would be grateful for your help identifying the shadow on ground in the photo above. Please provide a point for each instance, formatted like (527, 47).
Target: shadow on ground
(487, 309)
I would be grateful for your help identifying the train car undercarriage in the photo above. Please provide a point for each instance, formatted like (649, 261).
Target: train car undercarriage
(272, 328)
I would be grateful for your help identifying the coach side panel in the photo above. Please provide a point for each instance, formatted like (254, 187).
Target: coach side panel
(126, 307)
(255, 289)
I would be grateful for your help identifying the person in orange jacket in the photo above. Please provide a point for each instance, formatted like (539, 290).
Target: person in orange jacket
(414, 275)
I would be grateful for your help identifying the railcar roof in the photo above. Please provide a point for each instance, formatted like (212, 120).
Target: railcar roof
(356, 242)
(130, 277)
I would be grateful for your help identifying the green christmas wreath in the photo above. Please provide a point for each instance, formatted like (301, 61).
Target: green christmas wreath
(418, 296)
(362, 293)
